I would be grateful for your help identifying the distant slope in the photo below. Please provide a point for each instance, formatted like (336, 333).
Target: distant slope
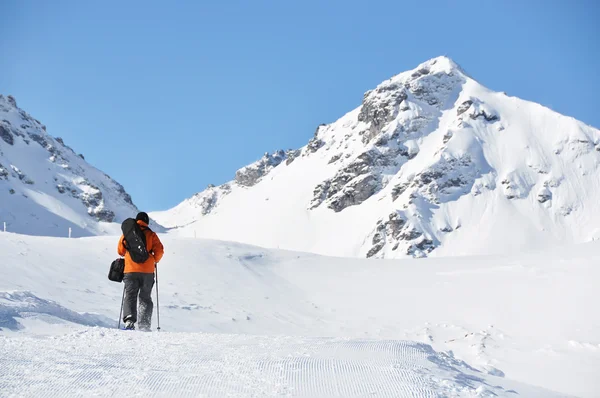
(530, 317)
(431, 164)
(46, 188)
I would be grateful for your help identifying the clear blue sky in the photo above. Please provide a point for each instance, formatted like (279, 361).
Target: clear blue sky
(167, 97)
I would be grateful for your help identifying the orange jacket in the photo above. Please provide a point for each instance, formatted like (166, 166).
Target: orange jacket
(154, 247)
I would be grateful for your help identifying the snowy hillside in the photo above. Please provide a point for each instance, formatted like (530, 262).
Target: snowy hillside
(493, 321)
(46, 188)
(431, 164)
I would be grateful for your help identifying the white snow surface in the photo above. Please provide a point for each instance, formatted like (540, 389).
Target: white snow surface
(46, 188)
(462, 169)
(241, 320)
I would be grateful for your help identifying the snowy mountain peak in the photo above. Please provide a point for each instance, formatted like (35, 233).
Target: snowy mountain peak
(46, 187)
(431, 163)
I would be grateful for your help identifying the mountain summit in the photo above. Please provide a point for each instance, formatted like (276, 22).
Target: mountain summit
(46, 188)
(431, 163)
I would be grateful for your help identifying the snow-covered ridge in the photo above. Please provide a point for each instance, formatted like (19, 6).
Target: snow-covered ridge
(432, 163)
(46, 187)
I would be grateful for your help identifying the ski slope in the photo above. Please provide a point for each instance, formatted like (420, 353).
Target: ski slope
(247, 321)
(114, 363)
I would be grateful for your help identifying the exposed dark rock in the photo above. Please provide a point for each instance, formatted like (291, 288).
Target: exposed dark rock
(422, 71)
(355, 193)
(382, 141)
(446, 229)
(21, 175)
(544, 196)
(11, 191)
(81, 156)
(3, 173)
(320, 194)
(410, 234)
(427, 177)
(250, 175)
(39, 139)
(378, 240)
(103, 215)
(598, 147)
(61, 188)
(398, 190)
(318, 128)
(375, 249)
(208, 199)
(394, 225)
(463, 107)
(355, 190)
(12, 100)
(314, 145)
(377, 110)
(60, 140)
(448, 136)
(92, 199)
(335, 158)
(291, 155)
(6, 134)
(448, 177)
(387, 231)
(485, 115)
(423, 247)
(434, 89)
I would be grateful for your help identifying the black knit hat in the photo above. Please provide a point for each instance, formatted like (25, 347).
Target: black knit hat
(143, 217)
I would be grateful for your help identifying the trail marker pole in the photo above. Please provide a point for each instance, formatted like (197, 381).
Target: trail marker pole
(69, 232)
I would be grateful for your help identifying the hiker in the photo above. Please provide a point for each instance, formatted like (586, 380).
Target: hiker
(139, 277)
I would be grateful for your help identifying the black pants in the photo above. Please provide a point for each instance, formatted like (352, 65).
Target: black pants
(138, 283)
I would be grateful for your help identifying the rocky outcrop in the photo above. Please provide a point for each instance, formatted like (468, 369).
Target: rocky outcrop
(544, 195)
(448, 178)
(21, 176)
(101, 196)
(12, 101)
(250, 175)
(397, 231)
(379, 107)
(291, 155)
(314, 145)
(435, 89)
(463, 107)
(477, 110)
(355, 192)
(3, 172)
(6, 134)
(320, 194)
(354, 183)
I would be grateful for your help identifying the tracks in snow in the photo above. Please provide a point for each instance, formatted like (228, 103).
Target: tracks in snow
(105, 362)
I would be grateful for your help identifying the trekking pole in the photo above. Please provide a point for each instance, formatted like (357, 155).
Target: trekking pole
(121, 313)
(157, 305)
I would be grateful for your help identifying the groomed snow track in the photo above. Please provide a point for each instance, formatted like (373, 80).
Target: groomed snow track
(105, 362)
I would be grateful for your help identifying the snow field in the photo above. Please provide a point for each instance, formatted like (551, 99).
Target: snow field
(531, 318)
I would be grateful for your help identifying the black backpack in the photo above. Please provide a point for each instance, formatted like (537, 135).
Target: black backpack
(117, 270)
(135, 241)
